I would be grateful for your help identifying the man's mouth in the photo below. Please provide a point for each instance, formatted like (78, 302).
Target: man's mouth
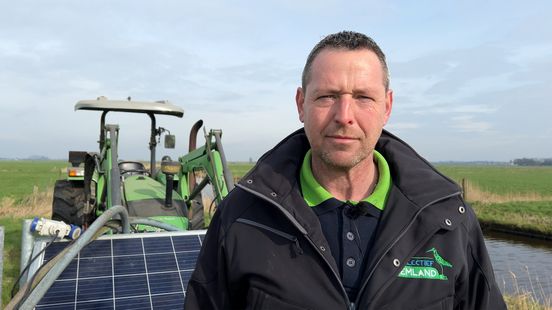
(341, 138)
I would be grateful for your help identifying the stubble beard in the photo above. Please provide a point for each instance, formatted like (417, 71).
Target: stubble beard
(347, 164)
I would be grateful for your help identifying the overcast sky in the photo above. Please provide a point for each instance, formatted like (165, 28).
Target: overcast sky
(471, 79)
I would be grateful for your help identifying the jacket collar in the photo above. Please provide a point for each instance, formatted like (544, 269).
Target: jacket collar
(408, 168)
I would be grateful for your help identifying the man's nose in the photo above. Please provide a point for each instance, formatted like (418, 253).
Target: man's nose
(344, 110)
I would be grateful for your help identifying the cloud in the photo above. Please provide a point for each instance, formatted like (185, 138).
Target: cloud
(468, 124)
(460, 76)
(402, 126)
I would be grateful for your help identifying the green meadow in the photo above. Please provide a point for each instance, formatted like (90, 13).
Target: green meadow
(508, 198)
(503, 180)
(239, 169)
(19, 178)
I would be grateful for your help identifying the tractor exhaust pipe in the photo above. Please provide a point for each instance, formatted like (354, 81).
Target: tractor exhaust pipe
(192, 144)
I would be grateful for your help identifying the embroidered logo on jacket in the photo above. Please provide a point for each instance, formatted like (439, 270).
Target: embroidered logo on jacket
(426, 267)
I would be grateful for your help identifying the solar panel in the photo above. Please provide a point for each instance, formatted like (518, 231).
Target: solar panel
(135, 271)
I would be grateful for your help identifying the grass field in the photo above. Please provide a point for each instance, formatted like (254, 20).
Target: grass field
(508, 197)
(240, 169)
(503, 180)
(19, 178)
(12, 248)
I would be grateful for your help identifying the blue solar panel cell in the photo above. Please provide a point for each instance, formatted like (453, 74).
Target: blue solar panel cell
(141, 271)
(132, 264)
(182, 243)
(97, 248)
(127, 247)
(160, 262)
(157, 245)
(95, 288)
(187, 260)
(95, 267)
(168, 301)
(131, 286)
(161, 283)
(96, 304)
(134, 303)
(60, 292)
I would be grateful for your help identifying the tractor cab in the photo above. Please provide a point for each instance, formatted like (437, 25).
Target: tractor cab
(149, 108)
(107, 181)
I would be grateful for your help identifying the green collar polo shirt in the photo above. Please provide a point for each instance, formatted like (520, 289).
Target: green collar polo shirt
(349, 226)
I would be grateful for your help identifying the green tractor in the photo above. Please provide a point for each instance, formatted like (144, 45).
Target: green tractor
(168, 198)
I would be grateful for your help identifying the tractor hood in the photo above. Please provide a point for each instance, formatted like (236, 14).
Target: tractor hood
(145, 197)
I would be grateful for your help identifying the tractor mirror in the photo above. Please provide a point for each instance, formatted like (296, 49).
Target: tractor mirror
(169, 141)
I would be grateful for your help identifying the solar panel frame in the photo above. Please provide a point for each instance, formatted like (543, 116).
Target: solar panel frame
(124, 271)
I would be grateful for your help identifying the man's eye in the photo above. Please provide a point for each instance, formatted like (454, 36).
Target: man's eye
(327, 97)
(365, 99)
(325, 100)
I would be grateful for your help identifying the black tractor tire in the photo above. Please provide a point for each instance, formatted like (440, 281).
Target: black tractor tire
(196, 220)
(70, 204)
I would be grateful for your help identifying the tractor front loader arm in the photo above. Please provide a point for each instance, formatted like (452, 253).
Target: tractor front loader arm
(210, 158)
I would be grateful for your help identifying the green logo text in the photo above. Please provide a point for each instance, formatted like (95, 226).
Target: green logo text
(426, 267)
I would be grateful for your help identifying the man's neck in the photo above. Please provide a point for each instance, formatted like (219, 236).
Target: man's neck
(354, 184)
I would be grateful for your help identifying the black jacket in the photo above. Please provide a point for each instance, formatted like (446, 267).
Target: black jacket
(265, 248)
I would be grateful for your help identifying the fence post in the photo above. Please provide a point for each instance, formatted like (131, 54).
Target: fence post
(465, 189)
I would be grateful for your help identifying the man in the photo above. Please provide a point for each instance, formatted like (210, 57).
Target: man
(341, 214)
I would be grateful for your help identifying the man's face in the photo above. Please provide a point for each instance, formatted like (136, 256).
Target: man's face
(344, 107)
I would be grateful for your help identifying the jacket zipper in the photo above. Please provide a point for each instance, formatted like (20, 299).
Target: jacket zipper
(365, 283)
(350, 305)
(274, 231)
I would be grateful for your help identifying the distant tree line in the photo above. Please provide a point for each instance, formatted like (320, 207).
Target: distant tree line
(532, 162)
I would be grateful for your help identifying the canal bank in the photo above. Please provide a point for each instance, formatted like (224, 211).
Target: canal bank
(493, 227)
(530, 219)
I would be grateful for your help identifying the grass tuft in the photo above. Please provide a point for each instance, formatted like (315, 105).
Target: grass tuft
(36, 204)
(473, 193)
(525, 301)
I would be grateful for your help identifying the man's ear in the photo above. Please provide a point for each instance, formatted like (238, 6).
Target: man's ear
(388, 105)
(300, 101)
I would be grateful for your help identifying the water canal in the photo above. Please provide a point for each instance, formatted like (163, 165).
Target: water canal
(521, 264)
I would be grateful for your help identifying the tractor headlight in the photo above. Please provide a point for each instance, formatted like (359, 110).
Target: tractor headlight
(170, 167)
(75, 172)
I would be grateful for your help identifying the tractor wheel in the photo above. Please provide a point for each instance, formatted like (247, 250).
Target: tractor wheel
(70, 204)
(196, 211)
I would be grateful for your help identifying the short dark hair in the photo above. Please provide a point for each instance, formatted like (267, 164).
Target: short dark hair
(348, 40)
